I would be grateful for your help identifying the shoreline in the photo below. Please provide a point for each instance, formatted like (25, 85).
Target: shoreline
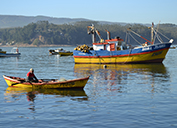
(36, 46)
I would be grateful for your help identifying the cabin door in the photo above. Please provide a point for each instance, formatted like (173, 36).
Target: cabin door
(112, 47)
(104, 47)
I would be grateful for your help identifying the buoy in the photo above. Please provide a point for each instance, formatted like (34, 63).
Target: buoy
(104, 66)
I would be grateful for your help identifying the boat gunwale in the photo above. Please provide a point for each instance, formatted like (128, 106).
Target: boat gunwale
(43, 83)
(65, 53)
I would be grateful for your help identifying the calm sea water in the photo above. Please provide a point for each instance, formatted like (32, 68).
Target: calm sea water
(119, 96)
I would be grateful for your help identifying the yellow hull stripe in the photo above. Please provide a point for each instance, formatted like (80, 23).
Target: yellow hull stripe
(125, 59)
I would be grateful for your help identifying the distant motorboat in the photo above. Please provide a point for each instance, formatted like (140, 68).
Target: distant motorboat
(60, 52)
(14, 53)
(172, 47)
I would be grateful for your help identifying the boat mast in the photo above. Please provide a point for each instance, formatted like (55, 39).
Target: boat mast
(152, 30)
(92, 31)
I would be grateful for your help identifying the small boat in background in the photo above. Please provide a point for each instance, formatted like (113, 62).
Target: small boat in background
(46, 83)
(3, 52)
(173, 47)
(60, 52)
(14, 53)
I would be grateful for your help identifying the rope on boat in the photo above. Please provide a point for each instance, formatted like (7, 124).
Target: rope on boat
(128, 55)
(157, 34)
(164, 35)
(160, 39)
(134, 39)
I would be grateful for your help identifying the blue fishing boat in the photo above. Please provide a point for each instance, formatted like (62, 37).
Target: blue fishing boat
(115, 51)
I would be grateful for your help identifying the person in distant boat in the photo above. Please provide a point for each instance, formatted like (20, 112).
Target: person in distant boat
(30, 77)
(17, 50)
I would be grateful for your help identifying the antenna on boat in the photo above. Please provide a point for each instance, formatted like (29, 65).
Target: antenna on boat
(108, 35)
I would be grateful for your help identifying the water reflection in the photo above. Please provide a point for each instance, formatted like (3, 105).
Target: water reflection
(13, 94)
(31, 92)
(160, 68)
(114, 70)
(121, 75)
(10, 60)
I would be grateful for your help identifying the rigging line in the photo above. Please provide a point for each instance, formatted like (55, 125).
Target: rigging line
(155, 35)
(129, 38)
(126, 37)
(164, 35)
(134, 39)
(159, 38)
(139, 36)
(128, 55)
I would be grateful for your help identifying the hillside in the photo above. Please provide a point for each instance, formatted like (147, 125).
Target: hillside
(45, 33)
(10, 21)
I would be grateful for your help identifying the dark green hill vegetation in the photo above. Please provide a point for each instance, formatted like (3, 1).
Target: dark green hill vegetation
(45, 33)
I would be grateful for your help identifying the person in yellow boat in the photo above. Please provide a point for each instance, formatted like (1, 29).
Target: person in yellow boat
(30, 77)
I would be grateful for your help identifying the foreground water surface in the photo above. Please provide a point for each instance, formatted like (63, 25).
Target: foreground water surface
(133, 95)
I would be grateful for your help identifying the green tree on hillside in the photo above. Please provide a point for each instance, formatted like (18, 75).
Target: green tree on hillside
(45, 33)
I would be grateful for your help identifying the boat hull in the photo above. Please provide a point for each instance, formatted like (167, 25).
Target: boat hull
(65, 53)
(10, 54)
(149, 54)
(20, 82)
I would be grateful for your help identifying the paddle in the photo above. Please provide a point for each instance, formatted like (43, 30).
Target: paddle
(21, 81)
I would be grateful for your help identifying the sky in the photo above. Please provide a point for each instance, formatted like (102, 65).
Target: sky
(127, 11)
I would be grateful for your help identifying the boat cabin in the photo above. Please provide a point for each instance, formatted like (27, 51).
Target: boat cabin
(110, 45)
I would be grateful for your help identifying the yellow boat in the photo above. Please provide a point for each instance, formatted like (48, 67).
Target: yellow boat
(46, 83)
(65, 53)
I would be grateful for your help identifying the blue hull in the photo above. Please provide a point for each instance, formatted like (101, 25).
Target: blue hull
(150, 53)
(10, 54)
